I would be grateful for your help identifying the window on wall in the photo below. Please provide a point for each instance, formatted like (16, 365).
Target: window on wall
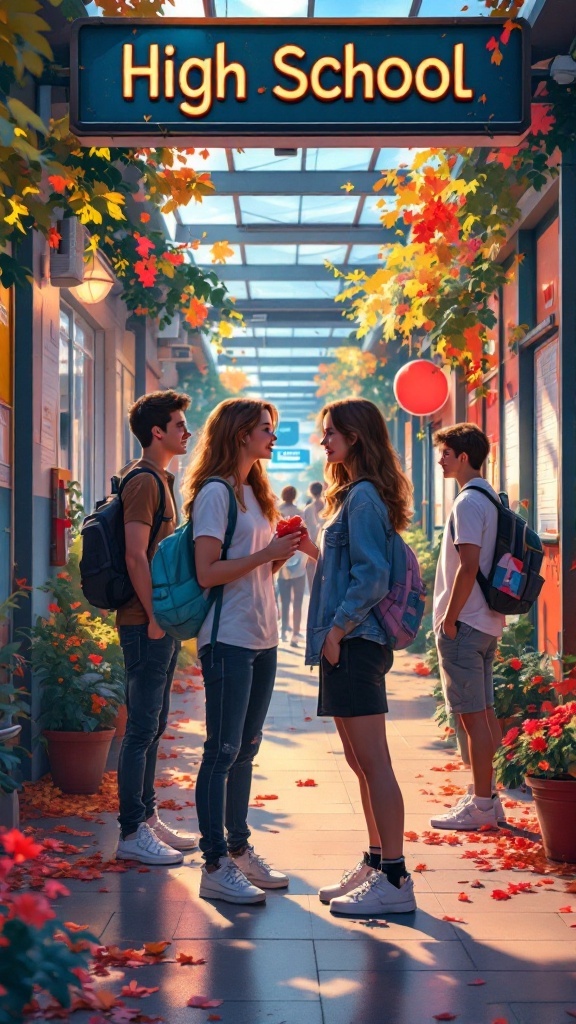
(127, 444)
(76, 373)
(547, 437)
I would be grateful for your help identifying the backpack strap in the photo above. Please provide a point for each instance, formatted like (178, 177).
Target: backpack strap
(495, 501)
(218, 592)
(119, 485)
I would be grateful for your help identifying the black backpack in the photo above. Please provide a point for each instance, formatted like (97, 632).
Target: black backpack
(514, 581)
(103, 574)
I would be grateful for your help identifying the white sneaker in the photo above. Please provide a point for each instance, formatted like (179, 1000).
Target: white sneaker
(465, 799)
(147, 848)
(350, 880)
(377, 896)
(255, 869)
(177, 840)
(467, 818)
(230, 884)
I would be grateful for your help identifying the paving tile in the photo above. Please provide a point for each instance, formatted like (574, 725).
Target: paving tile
(425, 923)
(283, 916)
(138, 918)
(398, 955)
(539, 954)
(510, 925)
(538, 1013)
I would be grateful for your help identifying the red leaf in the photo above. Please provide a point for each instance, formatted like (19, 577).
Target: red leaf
(58, 183)
(463, 897)
(267, 796)
(213, 1016)
(420, 867)
(144, 246)
(492, 43)
(455, 920)
(500, 894)
(188, 958)
(445, 1016)
(203, 1003)
(566, 910)
(54, 239)
(306, 782)
(477, 981)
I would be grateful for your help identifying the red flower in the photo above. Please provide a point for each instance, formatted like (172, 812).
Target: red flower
(96, 659)
(20, 847)
(54, 238)
(32, 909)
(531, 725)
(510, 736)
(54, 609)
(515, 663)
(538, 743)
(544, 766)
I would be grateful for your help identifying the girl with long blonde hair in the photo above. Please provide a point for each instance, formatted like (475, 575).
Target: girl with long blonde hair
(239, 661)
(368, 497)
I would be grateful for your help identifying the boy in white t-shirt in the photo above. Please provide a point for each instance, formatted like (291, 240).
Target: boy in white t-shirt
(467, 630)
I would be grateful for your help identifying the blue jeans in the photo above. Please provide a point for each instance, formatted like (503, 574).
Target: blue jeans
(149, 668)
(238, 684)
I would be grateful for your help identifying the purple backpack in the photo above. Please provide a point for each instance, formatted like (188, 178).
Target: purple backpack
(400, 612)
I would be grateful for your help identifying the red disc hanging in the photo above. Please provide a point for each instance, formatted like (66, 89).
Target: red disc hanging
(421, 387)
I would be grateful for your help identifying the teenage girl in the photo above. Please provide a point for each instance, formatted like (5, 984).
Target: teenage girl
(239, 670)
(367, 498)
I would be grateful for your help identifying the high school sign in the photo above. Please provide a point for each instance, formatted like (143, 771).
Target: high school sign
(317, 82)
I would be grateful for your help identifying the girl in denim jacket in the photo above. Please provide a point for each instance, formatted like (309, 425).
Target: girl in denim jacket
(368, 497)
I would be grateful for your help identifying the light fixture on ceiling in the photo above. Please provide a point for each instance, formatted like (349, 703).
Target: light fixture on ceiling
(96, 285)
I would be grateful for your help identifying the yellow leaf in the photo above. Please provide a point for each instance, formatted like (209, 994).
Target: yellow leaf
(102, 152)
(225, 329)
(115, 212)
(348, 187)
(220, 252)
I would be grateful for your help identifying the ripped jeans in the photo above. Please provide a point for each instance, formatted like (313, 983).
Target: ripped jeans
(238, 683)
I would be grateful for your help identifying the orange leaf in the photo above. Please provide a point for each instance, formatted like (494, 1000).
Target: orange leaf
(420, 867)
(138, 991)
(455, 920)
(306, 782)
(267, 796)
(203, 1003)
(144, 217)
(188, 958)
(196, 313)
(104, 998)
(463, 897)
(565, 910)
(411, 836)
(58, 183)
(156, 948)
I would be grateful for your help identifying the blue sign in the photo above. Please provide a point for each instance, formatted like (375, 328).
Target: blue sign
(288, 432)
(331, 79)
(286, 457)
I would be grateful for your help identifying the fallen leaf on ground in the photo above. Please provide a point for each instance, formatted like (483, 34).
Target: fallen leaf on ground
(266, 796)
(203, 1003)
(455, 920)
(188, 958)
(420, 867)
(463, 897)
(500, 894)
(156, 948)
(477, 981)
(306, 782)
(445, 1016)
(137, 991)
(566, 910)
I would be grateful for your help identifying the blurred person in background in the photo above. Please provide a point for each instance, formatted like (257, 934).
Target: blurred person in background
(292, 576)
(311, 517)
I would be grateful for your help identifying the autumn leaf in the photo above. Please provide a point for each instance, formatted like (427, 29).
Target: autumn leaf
(146, 272)
(306, 782)
(144, 246)
(453, 920)
(203, 1003)
(347, 187)
(500, 894)
(137, 991)
(59, 184)
(565, 910)
(445, 1016)
(54, 238)
(268, 796)
(187, 958)
(496, 57)
(420, 867)
(221, 251)
(477, 981)
(156, 948)
(196, 313)
(463, 897)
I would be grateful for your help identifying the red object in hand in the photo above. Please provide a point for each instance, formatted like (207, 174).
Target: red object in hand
(291, 525)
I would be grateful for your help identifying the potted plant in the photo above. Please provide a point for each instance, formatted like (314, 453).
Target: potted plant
(523, 677)
(543, 751)
(80, 670)
(13, 705)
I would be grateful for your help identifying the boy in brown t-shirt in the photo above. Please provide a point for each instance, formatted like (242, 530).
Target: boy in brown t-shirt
(158, 421)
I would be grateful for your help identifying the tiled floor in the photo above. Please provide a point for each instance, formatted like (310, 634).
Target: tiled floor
(291, 961)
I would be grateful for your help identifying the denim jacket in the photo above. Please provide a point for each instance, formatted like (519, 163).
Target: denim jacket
(353, 571)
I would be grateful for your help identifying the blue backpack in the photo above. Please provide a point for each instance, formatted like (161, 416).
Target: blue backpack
(179, 602)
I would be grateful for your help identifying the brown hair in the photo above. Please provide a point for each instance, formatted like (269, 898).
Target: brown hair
(217, 450)
(315, 489)
(467, 438)
(288, 494)
(154, 410)
(371, 457)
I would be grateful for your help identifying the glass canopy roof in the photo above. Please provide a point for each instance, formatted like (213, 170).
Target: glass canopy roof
(282, 222)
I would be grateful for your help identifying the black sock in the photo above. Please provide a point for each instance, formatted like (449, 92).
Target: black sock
(374, 857)
(395, 870)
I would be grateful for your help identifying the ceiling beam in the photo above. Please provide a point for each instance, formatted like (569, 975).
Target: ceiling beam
(296, 183)
(281, 271)
(272, 342)
(240, 361)
(285, 234)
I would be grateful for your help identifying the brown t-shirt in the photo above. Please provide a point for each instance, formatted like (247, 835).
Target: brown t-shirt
(140, 500)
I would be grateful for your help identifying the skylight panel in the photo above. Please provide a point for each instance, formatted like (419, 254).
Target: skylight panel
(215, 210)
(265, 254)
(329, 209)
(269, 209)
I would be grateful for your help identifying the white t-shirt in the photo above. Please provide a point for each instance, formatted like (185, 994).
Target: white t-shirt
(248, 616)
(475, 521)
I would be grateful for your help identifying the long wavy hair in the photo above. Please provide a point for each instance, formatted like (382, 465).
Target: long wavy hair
(370, 457)
(217, 453)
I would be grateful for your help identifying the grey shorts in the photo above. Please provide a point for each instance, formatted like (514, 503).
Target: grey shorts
(466, 669)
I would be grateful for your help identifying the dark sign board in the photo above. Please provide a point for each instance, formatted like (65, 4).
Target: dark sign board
(328, 82)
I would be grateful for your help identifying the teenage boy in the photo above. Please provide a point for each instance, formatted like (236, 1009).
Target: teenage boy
(466, 629)
(158, 421)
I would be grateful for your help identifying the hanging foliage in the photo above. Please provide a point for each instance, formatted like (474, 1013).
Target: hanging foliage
(47, 175)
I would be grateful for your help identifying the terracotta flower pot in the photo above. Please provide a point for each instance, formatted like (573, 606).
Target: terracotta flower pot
(555, 801)
(78, 759)
(121, 719)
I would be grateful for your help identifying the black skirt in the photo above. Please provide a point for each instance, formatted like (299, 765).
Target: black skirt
(357, 686)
